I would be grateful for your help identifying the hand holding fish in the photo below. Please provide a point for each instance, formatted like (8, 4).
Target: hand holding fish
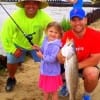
(67, 50)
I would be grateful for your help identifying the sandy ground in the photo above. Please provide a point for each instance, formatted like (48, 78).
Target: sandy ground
(27, 79)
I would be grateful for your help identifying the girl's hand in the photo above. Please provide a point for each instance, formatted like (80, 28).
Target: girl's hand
(36, 47)
(60, 58)
(39, 53)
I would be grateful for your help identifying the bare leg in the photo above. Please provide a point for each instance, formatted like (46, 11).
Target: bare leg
(12, 69)
(55, 95)
(46, 96)
(90, 75)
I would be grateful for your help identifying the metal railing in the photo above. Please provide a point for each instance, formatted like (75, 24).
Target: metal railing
(61, 3)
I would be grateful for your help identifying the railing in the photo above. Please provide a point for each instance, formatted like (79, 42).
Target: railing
(61, 3)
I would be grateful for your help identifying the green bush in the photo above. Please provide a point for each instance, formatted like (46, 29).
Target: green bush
(65, 24)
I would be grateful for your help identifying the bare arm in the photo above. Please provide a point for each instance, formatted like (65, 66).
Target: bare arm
(93, 60)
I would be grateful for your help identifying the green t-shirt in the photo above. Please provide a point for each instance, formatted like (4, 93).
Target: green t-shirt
(12, 36)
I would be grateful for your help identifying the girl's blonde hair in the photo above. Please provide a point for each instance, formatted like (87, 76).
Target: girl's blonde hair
(57, 27)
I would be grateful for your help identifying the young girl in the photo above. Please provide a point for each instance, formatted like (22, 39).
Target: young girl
(50, 79)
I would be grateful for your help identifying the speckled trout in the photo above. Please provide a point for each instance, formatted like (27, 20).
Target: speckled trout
(71, 68)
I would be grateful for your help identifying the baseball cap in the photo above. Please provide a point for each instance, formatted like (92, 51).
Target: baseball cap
(77, 12)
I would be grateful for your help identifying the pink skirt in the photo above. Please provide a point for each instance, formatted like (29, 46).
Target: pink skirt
(50, 83)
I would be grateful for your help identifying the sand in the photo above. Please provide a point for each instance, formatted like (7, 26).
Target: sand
(27, 79)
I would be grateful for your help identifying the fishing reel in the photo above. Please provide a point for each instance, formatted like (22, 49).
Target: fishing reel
(30, 37)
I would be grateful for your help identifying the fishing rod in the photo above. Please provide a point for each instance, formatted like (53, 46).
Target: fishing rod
(28, 37)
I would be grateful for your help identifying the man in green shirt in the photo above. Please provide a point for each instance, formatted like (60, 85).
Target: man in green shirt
(32, 20)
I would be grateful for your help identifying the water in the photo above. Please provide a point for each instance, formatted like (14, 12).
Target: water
(56, 12)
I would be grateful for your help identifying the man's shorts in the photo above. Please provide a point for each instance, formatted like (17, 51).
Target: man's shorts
(80, 71)
(11, 59)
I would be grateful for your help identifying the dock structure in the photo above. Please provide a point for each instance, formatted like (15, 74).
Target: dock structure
(61, 3)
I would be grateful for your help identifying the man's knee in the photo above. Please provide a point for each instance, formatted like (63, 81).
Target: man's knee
(91, 73)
